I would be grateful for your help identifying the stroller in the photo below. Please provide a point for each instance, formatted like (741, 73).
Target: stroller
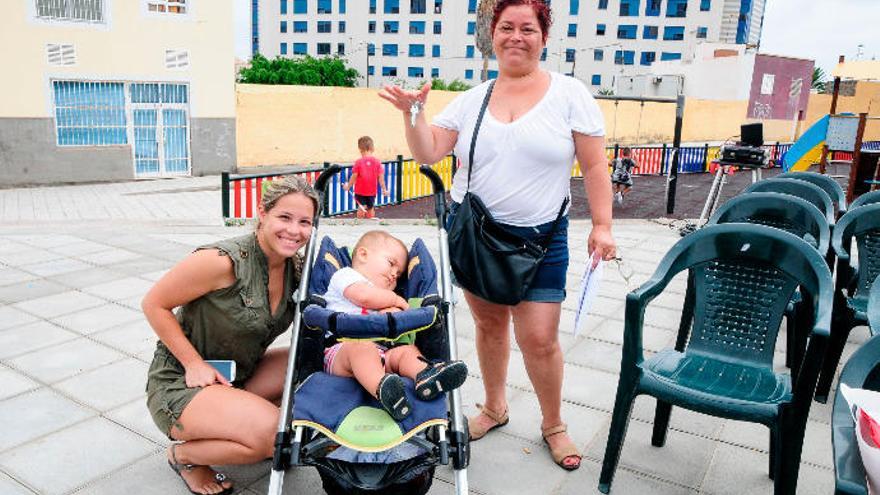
(354, 444)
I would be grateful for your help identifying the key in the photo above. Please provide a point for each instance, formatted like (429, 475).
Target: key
(414, 110)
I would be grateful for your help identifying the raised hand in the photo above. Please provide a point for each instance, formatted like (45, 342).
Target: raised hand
(404, 100)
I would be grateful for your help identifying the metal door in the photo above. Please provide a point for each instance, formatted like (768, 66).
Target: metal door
(160, 120)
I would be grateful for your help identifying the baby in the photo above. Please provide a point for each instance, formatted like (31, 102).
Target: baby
(378, 260)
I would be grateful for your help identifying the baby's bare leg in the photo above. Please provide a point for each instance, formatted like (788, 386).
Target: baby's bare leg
(404, 360)
(362, 361)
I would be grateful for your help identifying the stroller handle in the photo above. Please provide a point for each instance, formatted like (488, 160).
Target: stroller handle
(439, 192)
(321, 181)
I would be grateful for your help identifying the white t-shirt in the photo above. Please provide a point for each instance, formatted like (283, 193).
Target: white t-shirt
(335, 296)
(522, 168)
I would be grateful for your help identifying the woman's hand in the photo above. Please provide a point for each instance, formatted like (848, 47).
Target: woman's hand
(601, 244)
(402, 99)
(202, 374)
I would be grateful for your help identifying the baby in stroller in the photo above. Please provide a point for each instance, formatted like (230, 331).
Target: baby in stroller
(367, 286)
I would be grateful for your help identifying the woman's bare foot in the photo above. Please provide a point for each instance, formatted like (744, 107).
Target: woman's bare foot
(199, 479)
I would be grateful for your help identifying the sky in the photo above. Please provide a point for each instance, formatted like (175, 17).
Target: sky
(822, 30)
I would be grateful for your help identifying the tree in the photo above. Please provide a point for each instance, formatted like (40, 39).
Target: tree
(454, 85)
(485, 11)
(305, 71)
(818, 79)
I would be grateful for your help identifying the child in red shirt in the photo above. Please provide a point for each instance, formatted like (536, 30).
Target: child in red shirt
(365, 173)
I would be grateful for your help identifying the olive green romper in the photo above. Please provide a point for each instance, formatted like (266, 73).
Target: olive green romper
(230, 323)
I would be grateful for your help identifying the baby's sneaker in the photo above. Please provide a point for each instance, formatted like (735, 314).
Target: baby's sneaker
(440, 377)
(392, 396)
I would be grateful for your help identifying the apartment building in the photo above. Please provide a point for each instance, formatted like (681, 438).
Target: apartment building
(99, 90)
(407, 41)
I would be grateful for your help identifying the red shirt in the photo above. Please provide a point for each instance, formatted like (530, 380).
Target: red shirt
(367, 169)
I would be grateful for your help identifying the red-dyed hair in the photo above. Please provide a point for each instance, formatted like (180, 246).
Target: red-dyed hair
(542, 12)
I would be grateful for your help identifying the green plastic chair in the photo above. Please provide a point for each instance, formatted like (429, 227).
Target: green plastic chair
(791, 214)
(744, 276)
(861, 371)
(874, 307)
(800, 188)
(866, 199)
(826, 183)
(863, 224)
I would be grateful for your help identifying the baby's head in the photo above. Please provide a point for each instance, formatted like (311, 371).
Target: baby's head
(625, 152)
(380, 257)
(365, 144)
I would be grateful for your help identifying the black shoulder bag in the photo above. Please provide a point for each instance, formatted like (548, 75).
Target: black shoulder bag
(488, 260)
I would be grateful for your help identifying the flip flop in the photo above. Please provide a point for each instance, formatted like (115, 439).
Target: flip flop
(478, 432)
(562, 453)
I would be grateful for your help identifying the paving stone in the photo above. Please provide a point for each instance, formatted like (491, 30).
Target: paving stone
(583, 423)
(79, 248)
(148, 476)
(13, 276)
(534, 469)
(79, 455)
(9, 486)
(99, 318)
(13, 383)
(120, 289)
(653, 339)
(26, 338)
(596, 354)
(109, 386)
(586, 480)
(108, 257)
(51, 241)
(135, 337)
(19, 258)
(46, 412)
(55, 267)
(817, 443)
(11, 317)
(589, 387)
(92, 276)
(136, 417)
(297, 480)
(154, 276)
(682, 419)
(135, 267)
(737, 470)
(59, 304)
(60, 361)
(27, 291)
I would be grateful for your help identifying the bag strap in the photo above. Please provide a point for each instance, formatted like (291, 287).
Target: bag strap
(477, 131)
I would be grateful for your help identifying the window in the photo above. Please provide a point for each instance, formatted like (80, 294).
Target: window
(629, 8)
(648, 58)
(389, 71)
(390, 27)
(670, 56)
(472, 6)
(603, 4)
(435, 51)
(569, 54)
(283, 26)
(702, 32)
(415, 71)
(90, 113)
(283, 7)
(598, 54)
(573, 7)
(438, 6)
(389, 49)
(371, 70)
(492, 74)
(652, 8)
(340, 48)
(417, 6)
(626, 31)
(469, 51)
(300, 27)
(438, 27)
(624, 57)
(673, 33)
(341, 26)
(75, 11)
(676, 8)
(372, 6)
(283, 48)
(300, 7)
(650, 32)
(325, 7)
(767, 82)
(596, 79)
(471, 27)
(544, 54)
(600, 29)
(162, 6)
(705, 5)
(65, 55)
(341, 6)
(469, 74)
(371, 49)
(323, 26)
(323, 49)
(300, 49)
(416, 50)
(435, 72)
(371, 27)
(572, 30)
(416, 27)
(392, 7)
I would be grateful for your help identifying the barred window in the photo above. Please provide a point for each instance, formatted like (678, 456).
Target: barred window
(71, 10)
(167, 6)
(90, 113)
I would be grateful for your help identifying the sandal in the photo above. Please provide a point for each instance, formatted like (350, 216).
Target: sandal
(562, 453)
(478, 432)
(177, 467)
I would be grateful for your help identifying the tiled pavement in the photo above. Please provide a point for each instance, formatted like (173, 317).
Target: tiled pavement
(74, 350)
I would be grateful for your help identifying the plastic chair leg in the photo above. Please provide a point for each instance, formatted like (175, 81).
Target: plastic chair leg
(774, 453)
(841, 324)
(616, 435)
(661, 423)
(790, 337)
(791, 442)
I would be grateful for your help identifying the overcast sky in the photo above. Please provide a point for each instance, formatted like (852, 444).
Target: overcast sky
(822, 30)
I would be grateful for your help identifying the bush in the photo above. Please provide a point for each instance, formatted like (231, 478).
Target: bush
(305, 71)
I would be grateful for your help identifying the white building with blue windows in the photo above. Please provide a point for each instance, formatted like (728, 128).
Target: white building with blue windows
(408, 41)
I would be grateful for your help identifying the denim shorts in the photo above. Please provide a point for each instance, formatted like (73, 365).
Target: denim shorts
(549, 282)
